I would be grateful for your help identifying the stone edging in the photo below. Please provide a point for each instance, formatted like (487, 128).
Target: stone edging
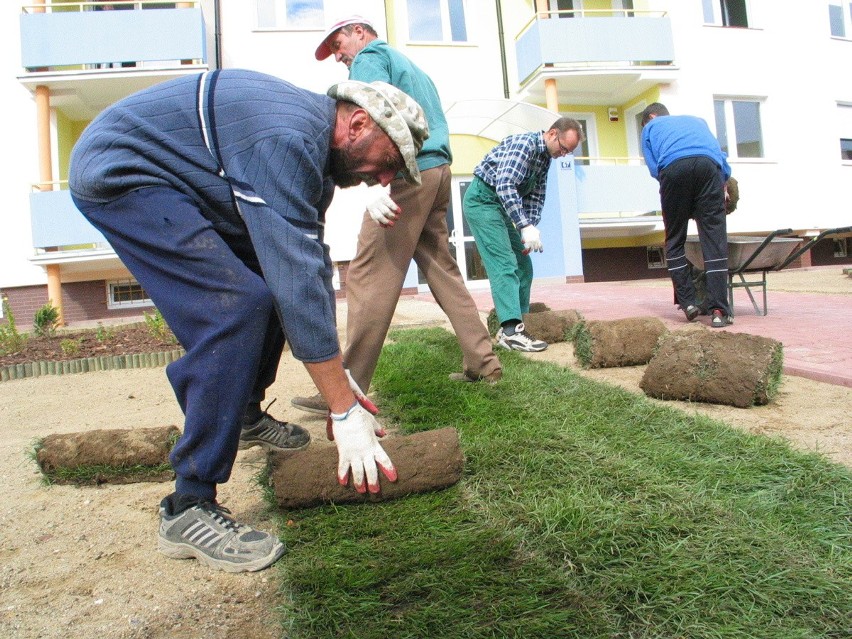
(89, 364)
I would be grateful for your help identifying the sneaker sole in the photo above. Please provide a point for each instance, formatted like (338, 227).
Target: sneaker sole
(174, 550)
(310, 409)
(521, 349)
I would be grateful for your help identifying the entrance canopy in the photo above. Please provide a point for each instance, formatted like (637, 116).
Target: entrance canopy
(496, 118)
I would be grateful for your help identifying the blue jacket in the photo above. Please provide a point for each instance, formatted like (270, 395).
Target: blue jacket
(667, 138)
(252, 151)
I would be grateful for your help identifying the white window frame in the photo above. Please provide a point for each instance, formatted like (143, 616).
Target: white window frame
(446, 26)
(281, 20)
(731, 126)
(112, 304)
(844, 126)
(845, 7)
(591, 122)
(718, 19)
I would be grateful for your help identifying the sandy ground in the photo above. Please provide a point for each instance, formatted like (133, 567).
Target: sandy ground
(82, 562)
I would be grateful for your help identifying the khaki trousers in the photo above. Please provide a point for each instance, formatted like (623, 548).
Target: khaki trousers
(376, 275)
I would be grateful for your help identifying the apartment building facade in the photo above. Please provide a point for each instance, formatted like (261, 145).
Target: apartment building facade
(784, 118)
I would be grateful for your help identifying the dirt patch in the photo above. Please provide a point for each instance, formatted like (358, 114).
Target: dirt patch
(67, 345)
(83, 561)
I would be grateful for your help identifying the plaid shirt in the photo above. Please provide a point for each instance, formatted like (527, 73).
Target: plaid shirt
(508, 165)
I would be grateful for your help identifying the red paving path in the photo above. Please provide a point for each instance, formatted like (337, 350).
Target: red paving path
(815, 329)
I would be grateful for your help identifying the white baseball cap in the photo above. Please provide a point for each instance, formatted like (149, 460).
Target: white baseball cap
(323, 51)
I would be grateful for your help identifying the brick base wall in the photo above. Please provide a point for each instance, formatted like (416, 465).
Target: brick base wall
(81, 301)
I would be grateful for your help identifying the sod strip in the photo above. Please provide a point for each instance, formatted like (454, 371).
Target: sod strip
(585, 511)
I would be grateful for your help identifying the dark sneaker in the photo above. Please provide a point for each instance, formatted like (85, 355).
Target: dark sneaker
(273, 434)
(691, 312)
(720, 320)
(520, 340)
(314, 404)
(205, 531)
(466, 376)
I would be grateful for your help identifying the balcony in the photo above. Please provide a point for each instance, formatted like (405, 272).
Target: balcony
(89, 57)
(595, 57)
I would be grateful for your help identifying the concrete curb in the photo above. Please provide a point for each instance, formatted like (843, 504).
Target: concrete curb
(89, 364)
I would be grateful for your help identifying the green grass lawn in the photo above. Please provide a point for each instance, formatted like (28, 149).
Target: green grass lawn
(585, 511)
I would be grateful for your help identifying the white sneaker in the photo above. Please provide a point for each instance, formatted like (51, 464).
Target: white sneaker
(520, 340)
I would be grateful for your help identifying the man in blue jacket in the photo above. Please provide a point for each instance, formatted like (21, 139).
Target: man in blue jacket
(409, 223)
(212, 189)
(684, 156)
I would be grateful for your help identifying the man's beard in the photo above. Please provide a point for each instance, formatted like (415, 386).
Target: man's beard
(343, 160)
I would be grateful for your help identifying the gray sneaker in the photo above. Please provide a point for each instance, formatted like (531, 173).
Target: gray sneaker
(314, 404)
(206, 532)
(520, 340)
(273, 434)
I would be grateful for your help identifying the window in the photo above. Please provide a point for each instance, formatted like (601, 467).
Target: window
(844, 130)
(845, 149)
(738, 127)
(437, 21)
(290, 14)
(726, 13)
(840, 20)
(841, 247)
(570, 8)
(126, 294)
(656, 257)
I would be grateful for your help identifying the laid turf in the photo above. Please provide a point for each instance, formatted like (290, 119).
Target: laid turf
(585, 512)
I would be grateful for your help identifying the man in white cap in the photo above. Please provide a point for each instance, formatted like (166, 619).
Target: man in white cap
(212, 189)
(409, 223)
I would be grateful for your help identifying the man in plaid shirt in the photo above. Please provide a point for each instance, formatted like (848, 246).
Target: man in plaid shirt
(503, 208)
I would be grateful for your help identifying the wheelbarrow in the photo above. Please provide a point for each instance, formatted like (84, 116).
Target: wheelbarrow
(748, 255)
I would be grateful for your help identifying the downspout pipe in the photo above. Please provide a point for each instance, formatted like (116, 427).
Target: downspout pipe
(501, 36)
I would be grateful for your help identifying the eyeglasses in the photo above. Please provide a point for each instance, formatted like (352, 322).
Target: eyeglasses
(564, 148)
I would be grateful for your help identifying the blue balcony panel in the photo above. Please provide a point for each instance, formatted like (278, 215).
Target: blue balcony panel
(96, 37)
(581, 41)
(616, 189)
(57, 222)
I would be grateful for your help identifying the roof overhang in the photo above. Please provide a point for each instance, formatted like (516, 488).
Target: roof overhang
(496, 118)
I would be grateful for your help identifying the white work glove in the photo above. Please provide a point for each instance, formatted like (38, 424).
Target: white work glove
(383, 211)
(531, 238)
(360, 396)
(358, 449)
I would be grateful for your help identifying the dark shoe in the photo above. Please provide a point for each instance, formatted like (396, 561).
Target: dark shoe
(491, 378)
(273, 434)
(691, 312)
(315, 404)
(205, 531)
(720, 320)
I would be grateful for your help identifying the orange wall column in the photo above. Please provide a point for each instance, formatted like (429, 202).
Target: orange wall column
(551, 93)
(45, 165)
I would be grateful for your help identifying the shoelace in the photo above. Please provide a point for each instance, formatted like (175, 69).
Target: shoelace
(220, 515)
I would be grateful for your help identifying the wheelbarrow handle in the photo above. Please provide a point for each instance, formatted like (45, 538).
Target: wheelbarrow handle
(807, 245)
(762, 246)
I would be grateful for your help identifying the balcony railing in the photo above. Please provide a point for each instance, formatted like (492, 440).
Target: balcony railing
(75, 35)
(594, 38)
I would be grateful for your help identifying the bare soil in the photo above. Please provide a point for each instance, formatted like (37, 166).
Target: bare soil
(69, 344)
(83, 561)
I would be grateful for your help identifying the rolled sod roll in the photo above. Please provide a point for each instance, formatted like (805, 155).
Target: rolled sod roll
(614, 343)
(551, 326)
(715, 367)
(115, 456)
(425, 461)
(494, 324)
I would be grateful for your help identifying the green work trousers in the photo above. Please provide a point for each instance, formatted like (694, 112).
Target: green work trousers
(509, 269)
